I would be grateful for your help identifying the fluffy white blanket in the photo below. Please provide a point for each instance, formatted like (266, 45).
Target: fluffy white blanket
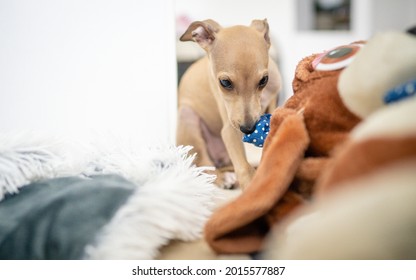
(173, 200)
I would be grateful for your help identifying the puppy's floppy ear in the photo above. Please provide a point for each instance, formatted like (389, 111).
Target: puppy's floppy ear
(262, 26)
(202, 32)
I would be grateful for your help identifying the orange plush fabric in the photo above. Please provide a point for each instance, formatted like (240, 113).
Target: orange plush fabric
(360, 158)
(303, 134)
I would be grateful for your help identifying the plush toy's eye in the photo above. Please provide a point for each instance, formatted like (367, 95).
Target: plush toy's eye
(225, 83)
(336, 59)
(263, 81)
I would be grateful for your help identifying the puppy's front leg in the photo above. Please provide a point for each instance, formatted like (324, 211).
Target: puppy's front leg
(236, 151)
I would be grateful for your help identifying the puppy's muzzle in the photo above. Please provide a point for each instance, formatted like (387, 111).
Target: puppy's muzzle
(247, 129)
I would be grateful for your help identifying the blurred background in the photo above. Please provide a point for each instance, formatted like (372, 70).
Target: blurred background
(75, 65)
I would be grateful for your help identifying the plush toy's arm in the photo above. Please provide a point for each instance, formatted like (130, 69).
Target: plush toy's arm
(234, 228)
(278, 116)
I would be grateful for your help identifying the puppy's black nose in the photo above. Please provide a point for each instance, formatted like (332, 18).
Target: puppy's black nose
(247, 129)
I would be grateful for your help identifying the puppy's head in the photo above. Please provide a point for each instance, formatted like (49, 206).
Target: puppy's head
(238, 58)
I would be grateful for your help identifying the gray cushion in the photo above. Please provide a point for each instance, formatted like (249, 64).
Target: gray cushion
(57, 218)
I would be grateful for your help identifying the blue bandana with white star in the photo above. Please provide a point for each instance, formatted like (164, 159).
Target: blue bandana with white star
(258, 136)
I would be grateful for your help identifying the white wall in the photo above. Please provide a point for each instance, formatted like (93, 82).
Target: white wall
(88, 64)
(393, 14)
(292, 44)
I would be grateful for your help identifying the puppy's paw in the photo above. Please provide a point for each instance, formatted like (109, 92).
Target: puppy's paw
(245, 178)
(226, 180)
(230, 180)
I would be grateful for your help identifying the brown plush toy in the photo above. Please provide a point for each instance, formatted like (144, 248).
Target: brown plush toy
(303, 134)
(364, 201)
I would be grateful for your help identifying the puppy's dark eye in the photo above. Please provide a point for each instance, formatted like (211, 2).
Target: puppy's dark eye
(226, 84)
(263, 81)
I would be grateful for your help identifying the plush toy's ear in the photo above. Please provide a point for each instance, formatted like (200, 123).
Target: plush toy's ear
(202, 32)
(263, 27)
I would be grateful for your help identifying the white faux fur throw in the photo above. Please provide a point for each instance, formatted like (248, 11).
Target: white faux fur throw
(173, 200)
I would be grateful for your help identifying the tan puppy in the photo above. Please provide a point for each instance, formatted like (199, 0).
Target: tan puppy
(223, 95)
